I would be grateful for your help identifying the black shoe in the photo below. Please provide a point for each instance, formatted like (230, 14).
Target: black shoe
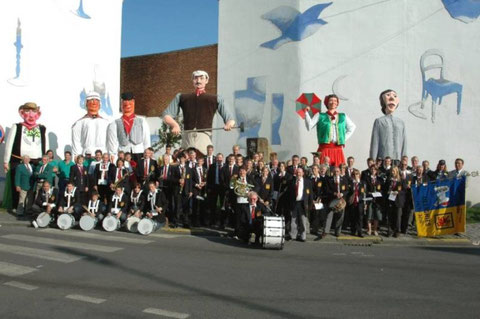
(337, 234)
(288, 238)
(301, 240)
(389, 234)
(360, 235)
(396, 235)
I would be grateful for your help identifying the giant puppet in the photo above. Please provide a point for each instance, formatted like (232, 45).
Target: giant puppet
(130, 133)
(389, 136)
(198, 110)
(25, 138)
(333, 130)
(90, 132)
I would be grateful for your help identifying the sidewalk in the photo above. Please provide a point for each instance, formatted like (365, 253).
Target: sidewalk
(472, 235)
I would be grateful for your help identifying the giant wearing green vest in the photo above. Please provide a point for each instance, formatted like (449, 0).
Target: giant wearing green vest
(333, 129)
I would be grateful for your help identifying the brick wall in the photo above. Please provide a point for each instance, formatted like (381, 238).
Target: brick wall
(156, 78)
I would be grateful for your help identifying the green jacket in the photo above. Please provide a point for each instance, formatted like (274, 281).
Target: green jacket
(23, 178)
(46, 175)
(323, 128)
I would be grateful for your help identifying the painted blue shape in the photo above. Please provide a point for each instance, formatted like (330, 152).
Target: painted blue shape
(18, 45)
(295, 26)
(439, 87)
(83, 99)
(277, 114)
(464, 10)
(249, 106)
(80, 12)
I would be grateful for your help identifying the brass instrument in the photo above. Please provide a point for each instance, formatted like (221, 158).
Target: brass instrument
(114, 185)
(241, 189)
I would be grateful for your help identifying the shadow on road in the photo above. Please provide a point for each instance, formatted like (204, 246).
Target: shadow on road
(454, 250)
(166, 281)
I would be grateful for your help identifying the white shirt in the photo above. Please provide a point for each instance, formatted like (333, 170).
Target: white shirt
(300, 189)
(112, 141)
(29, 146)
(89, 133)
(349, 125)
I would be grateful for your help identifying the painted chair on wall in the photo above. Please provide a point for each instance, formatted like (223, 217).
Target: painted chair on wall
(437, 87)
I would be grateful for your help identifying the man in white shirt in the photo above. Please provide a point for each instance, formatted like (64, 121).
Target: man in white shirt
(90, 132)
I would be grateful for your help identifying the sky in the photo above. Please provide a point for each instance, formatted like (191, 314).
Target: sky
(154, 26)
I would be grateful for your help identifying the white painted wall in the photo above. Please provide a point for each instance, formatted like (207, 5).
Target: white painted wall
(63, 54)
(377, 45)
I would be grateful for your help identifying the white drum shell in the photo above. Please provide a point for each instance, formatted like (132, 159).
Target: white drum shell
(111, 223)
(65, 221)
(273, 232)
(43, 220)
(132, 224)
(88, 222)
(146, 226)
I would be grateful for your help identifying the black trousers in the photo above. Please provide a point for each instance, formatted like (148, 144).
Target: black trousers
(356, 217)
(394, 217)
(216, 194)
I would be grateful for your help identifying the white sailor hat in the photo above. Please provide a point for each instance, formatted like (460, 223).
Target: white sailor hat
(199, 73)
(92, 95)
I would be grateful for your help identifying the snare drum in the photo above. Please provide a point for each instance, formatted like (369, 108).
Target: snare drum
(132, 224)
(147, 225)
(111, 223)
(88, 222)
(273, 232)
(65, 221)
(44, 219)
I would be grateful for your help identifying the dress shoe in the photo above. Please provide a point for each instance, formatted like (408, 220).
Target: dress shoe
(360, 235)
(301, 240)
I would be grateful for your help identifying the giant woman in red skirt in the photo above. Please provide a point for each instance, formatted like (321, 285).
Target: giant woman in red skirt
(333, 130)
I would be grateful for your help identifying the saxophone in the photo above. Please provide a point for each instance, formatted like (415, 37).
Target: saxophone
(114, 185)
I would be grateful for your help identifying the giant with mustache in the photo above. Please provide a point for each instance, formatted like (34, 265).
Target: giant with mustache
(198, 110)
(389, 136)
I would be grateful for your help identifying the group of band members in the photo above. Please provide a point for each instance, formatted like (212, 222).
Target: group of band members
(186, 188)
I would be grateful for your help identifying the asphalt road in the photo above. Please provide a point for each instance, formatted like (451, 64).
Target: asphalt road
(74, 274)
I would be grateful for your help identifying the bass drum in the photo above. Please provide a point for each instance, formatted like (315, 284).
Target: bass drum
(44, 219)
(111, 223)
(65, 221)
(88, 222)
(147, 226)
(273, 232)
(132, 224)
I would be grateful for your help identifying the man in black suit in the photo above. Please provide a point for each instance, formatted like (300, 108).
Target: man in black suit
(79, 178)
(301, 200)
(209, 158)
(229, 170)
(338, 188)
(169, 177)
(215, 189)
(46, 201)
(292, 169)
(70, 202)
(185, 191)
(251, 218)
(147, 169)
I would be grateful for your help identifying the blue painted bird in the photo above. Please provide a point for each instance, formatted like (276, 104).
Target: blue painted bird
(294, 25)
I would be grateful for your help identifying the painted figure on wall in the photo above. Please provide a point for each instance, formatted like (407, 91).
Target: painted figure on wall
(389, 136)
(333, 130)
(130, 133)
(198, 110)
(90, 132)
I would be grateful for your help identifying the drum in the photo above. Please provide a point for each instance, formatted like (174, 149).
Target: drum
(88, 222)
(111, 223)
(337, 205)
(147, 225)
(44, 219)
(65, 221)
(273, 232)
(132, 224)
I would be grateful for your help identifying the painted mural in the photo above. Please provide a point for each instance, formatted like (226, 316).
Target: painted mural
(294, 25)
(17, 80)
(466, 11)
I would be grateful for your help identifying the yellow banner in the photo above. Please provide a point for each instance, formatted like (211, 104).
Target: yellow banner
(444, 221)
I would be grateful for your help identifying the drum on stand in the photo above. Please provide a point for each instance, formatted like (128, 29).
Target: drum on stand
(111, 223)
(147, 226)
(44, 219)
(88, 222)
(132, 224)
(65, 221)
(273, 232)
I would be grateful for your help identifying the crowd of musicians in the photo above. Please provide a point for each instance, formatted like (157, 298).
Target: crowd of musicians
(182, 188)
